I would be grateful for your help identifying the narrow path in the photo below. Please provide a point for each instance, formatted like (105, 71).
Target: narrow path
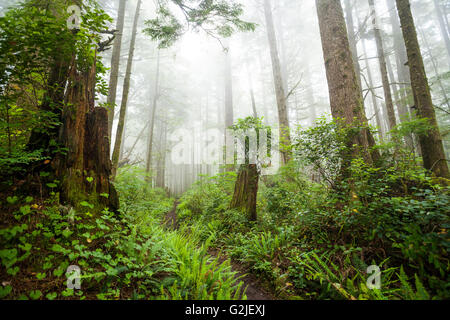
(170, 220)
(254, 289)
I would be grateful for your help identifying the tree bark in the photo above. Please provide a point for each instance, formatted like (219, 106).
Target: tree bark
(345, 94)
(283, 118)
(352, 40)
(431, 143)
(402, 70)
(126, 90)
(115, 65)
(84, 171)
(246, 190)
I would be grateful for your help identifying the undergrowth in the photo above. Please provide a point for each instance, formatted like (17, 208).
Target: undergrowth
(125, 256)
(316, 240)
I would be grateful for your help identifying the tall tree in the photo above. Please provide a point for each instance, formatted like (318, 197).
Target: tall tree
(310, 96)
(279, 31)
(161, 163)
(383, 68)
(431, 142)
(115, 64)
(376, 106)
(126, 90)
(153, 115)
(252, 91)
(283, 119)
(345, 95)
(442, 26)
(352, 39)
(229, 113)
(403, 77)
(435, 67)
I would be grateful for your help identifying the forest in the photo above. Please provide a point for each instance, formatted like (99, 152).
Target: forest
(224, 150)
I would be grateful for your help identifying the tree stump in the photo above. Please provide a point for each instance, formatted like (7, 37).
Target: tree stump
(84, 170)
(246, 190)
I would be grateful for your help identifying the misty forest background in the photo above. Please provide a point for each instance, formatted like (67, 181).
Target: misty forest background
(93, 117)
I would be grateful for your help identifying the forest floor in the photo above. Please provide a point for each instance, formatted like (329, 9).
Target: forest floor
(254, 289)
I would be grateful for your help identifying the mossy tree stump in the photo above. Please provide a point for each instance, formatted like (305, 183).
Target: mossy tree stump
(84, 170)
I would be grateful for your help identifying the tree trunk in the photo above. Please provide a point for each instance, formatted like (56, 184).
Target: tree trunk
(283, 118)
(229, 112)
(383, 69)
(138, 138)
(279, 30)
(84, 171)
(124, 137)
(376, 107)
(352, 40)
(263, 89)
(435, 68)
(126, 90)
(442, 26)
(115, 65)
(310, 96)
(152, 120)
(252, 92)
(246, 190)
(431, 143)
(402, 70)
(160, 175)
(345, 95)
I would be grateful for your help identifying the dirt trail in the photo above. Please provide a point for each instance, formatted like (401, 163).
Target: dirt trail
(170, 220)
(254, 289)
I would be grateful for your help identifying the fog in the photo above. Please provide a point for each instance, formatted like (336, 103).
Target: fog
(192, 74)
(191, 89)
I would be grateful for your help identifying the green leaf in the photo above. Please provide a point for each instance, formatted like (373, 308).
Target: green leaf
(67, 293)
(26, 247)
(51, 296)
(12, 200)
(4, 291)
(35, 294)
(25, 210)
(41, 275)
(86, 204)
(66, 233)
(13, 271)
